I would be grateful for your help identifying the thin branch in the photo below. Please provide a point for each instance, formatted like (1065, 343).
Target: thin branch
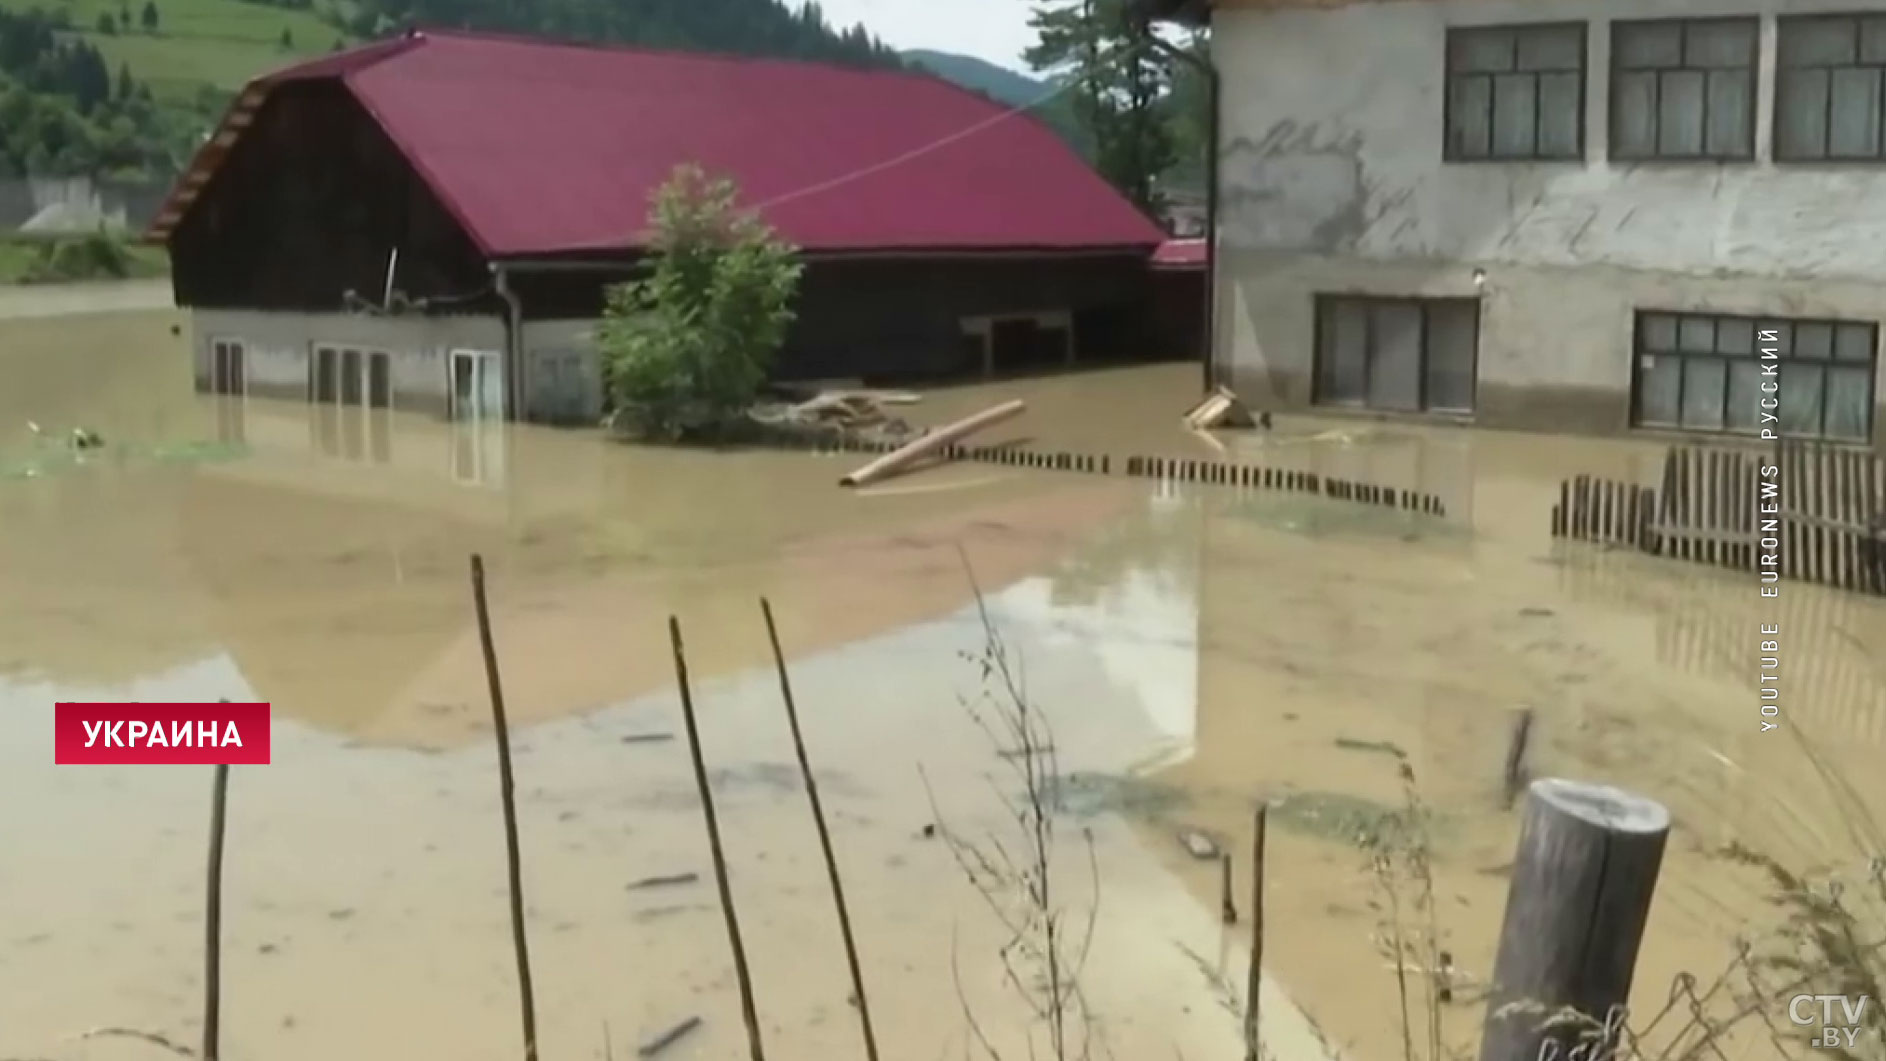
(213, 919)
(508, 798)
(825, 836)
(748, 1011)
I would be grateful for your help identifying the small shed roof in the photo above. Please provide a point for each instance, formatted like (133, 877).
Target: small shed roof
(1180, 254)
(541, 148)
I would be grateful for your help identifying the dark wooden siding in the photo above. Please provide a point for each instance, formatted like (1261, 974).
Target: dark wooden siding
(900, 317)
(308, 205)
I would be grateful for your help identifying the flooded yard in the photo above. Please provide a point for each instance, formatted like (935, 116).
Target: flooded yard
(1196, 648)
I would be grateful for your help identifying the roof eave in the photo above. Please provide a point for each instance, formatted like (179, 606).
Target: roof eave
(599, 259)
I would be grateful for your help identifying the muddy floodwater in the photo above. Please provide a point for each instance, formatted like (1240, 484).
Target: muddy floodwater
(1196, 649)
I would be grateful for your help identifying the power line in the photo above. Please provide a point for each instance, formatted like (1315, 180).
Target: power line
(918, 152)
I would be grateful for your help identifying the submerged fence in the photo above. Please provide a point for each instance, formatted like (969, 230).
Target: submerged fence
(1713, 507)
(1176, 469)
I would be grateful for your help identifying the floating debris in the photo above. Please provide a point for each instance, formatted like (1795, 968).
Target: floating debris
(665, 882)
(668, 1038)
(1200, 845)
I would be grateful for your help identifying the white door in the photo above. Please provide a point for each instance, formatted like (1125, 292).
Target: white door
(478, 417)
(477, 385)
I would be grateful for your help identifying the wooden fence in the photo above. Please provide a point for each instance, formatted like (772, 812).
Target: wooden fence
(1826, 527)
(1174, 469)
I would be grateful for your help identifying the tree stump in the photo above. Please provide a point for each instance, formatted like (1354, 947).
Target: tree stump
(1586, 867)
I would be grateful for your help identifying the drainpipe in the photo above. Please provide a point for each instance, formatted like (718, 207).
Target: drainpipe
(1209, 71)
(513, 338)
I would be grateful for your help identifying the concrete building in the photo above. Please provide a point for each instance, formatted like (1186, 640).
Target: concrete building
(1587, 216)
(431, 223)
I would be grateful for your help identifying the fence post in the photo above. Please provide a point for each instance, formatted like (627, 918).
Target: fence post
(1586, 867)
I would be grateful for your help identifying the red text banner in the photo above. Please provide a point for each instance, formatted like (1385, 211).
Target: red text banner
(122, 734)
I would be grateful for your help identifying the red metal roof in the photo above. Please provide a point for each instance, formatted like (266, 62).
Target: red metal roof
(542, 148)
(1180, 254)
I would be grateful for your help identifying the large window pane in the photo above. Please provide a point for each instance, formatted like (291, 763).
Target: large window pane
(1731, 104)
(1453, 334)
(1745, 396)
(1853, 127)
(1470, 116)
(1801, 114)
(1561, 115)
(1344, 376)
(1634, 114)
(1514, 103)
(1849, 401)
(1659, 384)
(1395, 356)
(1705, 385)
(1800, 411)
(1680, 114)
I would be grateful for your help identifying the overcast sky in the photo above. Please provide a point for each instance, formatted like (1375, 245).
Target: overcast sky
(996, 30)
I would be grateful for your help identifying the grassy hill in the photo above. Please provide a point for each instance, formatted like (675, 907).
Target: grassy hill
(220, 43)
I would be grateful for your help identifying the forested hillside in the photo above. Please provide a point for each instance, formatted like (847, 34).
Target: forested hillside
(112, 88)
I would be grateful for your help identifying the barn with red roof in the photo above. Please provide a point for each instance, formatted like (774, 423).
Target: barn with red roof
(431, 222)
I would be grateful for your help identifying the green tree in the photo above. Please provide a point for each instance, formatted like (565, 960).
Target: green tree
(149, 16)
(288, 39)
(107, 24)
(1119, 85)
(686, 348)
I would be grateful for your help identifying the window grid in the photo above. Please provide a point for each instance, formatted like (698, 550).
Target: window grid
(1861, 40)
(1662, 73)
(1328, 306)
(1825, 349)
(1473, 89)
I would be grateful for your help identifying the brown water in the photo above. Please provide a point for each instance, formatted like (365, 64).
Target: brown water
(1196, 649)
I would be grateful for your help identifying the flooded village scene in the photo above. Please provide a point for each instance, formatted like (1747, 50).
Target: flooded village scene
(1117, 529)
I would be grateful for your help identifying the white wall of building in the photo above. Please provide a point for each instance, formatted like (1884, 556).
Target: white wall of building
(1332, 181)
(277, 348)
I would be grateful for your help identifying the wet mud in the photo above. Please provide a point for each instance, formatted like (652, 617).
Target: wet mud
(1197, 649)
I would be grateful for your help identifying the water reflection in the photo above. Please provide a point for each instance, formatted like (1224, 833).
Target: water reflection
(403, 939)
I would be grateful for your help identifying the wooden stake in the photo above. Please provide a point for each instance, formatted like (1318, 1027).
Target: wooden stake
(1253, 1034)
(1227, 909)
(507, 798)
(1581, 888)
(213, 920)
(748, 1011)
(825, 836)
